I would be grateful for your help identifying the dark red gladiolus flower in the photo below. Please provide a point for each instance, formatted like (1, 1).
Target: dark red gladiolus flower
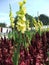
(35, 54)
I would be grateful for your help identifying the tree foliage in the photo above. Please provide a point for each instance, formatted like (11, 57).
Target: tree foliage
(44, 19)
(2, 25)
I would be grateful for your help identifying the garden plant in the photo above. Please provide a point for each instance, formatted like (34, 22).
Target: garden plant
(24, 46)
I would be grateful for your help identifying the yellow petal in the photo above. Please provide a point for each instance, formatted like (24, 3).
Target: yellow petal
(24, 19)
(24, 1)
(12, 24)
(20, 3)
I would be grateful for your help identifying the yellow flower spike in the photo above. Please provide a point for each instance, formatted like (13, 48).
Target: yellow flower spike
(21, 23)
(11, 17)
(37, 24)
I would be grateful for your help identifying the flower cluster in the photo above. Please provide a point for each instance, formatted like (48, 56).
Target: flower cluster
(37, 51)
(38, 24)
(6, 51)
(11, 17)
(22, 23)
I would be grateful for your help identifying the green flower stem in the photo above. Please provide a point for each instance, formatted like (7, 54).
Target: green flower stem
(24, 41)
(16, 55)
(17, 51)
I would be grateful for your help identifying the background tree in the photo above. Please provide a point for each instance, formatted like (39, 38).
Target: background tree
(2, 25)
(44, 19)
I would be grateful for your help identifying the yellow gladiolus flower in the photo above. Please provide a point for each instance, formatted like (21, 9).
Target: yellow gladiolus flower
(27, 24)
(36, 27)
(12, 24)
(21, 4)
(23, 18)
(34, 21)
(24, 1)
(20, 21)
(12, 19)
(21, 27)
(24, 10)
(40, 24)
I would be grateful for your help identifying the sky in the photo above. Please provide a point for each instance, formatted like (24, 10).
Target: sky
(34, 8)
